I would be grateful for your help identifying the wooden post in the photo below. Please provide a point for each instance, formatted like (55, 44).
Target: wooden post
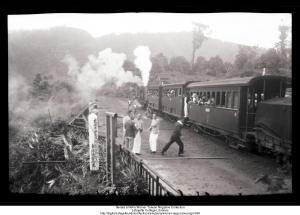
(157, 185)
(113, 145)
(93, 142)
(108, 158)
(111, 121)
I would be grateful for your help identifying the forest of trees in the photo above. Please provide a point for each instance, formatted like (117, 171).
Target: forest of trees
(248, 62)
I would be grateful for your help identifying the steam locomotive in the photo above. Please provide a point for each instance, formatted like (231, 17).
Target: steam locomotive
(253, 113)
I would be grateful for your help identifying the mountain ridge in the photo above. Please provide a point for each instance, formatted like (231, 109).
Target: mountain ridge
(42, 51)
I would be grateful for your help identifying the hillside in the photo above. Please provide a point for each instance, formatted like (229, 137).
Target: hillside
(170, 44)
(42, 51)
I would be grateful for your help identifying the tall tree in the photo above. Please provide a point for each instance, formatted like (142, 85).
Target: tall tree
(277, 60)
(270, 60)
(162, 60)
(159, 65)
(216, 66)
(245, 60)
(201, 65)
(229, 68)
(41, 89)
(282, 47)
(282, 44)
(198, 39)
(180, 64)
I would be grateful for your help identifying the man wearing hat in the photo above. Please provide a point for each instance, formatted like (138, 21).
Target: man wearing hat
(175, 137)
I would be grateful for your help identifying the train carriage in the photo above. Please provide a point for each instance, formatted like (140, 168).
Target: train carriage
(233, 112)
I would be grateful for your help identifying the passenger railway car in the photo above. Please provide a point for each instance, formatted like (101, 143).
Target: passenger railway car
(236, 101)
(233, 111)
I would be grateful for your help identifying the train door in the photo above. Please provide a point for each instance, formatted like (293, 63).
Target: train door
(260, 90)
(250, 97)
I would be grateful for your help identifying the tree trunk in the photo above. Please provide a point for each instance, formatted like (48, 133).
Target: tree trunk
(193, 59)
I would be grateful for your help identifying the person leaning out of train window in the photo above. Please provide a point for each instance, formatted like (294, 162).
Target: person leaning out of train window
(199, 101)
(212, 101)
(195, 98)
(208, 102)
(203, 99)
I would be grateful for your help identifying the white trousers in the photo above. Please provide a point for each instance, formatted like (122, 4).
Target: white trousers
(153, 141)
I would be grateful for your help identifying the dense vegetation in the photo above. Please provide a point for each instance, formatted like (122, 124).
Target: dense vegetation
(73, 175)
(249, 61)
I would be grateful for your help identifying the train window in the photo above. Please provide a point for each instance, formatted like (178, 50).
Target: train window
(223, 99)
(200, 94)
(208, 95)
(235, 101)
(229, 100)
(179, 94)
(174, 93)
(213, 95)
(288, 93)
(218, 98)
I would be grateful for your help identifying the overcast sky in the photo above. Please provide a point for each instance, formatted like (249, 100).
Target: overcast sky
(254, 29)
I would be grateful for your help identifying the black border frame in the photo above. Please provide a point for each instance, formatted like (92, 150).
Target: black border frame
(8, 198)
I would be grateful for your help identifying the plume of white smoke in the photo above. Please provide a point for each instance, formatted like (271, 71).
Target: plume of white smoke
(143, 62)
(17, 93)
(73, 66)
(26, 111)
(101, 69)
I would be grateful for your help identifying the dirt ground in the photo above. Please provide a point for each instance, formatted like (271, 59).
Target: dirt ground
(235, 173)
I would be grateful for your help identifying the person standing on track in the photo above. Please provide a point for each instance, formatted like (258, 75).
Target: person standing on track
(175, 137)
(138, 139)
(154, 130)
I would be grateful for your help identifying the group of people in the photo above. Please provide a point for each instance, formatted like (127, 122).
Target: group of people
(133, 128)
(202, 100)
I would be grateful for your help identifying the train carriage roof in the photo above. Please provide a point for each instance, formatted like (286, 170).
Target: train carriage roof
(178, 84)
(174, 84)
(153, 86)
(234, 81)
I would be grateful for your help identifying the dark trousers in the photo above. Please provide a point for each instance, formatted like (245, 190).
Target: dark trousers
(171, 141)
